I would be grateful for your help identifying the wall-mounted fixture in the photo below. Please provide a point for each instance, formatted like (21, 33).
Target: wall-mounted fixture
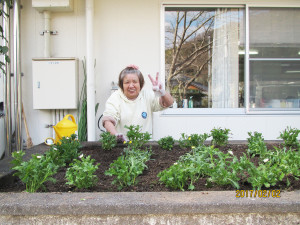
(55, 83)
(53, 5)
(251, 52)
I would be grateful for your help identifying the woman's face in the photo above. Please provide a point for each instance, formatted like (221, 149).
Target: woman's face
(131, 86)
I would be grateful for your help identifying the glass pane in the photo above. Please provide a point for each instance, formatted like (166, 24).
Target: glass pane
(275, 84)
(274, 32)
(203, 66)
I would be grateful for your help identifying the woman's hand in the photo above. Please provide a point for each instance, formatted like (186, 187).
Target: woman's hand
(110, 127)
(156, 85)
(121, 137)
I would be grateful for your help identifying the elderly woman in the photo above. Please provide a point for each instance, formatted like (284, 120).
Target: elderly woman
(132, 104)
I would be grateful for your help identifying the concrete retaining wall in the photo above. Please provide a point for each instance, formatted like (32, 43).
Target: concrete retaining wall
(148, 208)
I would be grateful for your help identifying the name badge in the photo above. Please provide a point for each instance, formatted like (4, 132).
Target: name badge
(144, 115)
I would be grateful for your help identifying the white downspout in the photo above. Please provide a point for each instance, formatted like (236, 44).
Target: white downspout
(47, 54)
(17, 77)
(91, 120)
(47, 29)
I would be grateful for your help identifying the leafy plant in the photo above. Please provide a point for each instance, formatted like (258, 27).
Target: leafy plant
(225, 172)
(289, 163)
(69, 148)
(35, 172)
(264, 175)
(274, 166)
(82, 108)
(184, 141)
(108, 140)
(289, 136)
(220, 136)
(256, 144)
(4, 48)
(177, 175)
(128, 167)
(17, 158)
(166, 143)
(195, 140)
(187, 170)
(219, 168)
(54, 154)
(198, 139)
(81, 172)
(137, 138)
(40, 169)
(286, 160)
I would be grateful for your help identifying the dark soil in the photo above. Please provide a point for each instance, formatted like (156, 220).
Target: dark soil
(148, 181)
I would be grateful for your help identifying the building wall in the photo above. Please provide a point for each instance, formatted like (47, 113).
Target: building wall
(126, 32)
(269, 125)
(70, 42)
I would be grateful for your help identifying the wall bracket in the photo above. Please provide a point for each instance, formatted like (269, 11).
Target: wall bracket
(49, 31)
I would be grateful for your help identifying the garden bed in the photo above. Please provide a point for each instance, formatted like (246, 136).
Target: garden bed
(148, 181)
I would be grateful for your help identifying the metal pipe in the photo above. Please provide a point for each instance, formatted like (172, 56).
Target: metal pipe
(17, 77)
(47, 28)
(7, 80)
(53, 122)
(47, 54)
(91, 119)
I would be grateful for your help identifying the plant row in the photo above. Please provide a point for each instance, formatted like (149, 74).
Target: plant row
(226, 169)
(41, 168)
(80, 173)
(219, 137)
(222, 168)
(202, 161)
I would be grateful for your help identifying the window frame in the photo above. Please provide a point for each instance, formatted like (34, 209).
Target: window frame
(246, 110)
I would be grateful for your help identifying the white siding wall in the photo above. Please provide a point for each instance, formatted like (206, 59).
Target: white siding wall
(269, 125)
(126, 32)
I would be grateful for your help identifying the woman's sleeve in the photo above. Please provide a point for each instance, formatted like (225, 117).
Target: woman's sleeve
(155, 101)
(112, 110)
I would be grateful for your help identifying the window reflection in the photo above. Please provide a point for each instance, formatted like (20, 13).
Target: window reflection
(202, 57)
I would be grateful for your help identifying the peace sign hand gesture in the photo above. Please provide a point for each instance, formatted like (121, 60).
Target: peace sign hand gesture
(156, 85)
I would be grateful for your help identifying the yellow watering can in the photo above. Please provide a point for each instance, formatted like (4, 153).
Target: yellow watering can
(65, 128)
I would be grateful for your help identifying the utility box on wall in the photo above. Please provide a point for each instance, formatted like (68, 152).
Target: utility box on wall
(53, 5)
(55, 83)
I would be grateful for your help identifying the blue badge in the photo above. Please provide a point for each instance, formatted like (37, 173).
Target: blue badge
(144, 115)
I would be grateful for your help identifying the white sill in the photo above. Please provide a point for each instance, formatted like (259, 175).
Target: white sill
(204, 111)
(228, 111)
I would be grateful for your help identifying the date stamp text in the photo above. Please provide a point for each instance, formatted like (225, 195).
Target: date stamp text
(257, 194)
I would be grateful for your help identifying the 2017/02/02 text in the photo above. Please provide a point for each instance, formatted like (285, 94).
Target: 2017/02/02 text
(257, 193)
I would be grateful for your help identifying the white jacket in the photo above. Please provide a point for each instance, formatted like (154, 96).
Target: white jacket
(122, 111)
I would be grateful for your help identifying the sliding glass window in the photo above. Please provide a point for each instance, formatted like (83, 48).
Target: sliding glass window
(205, 57)
(274, 56)
(203, 67)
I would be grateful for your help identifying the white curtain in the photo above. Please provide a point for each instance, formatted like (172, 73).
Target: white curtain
(225, 77)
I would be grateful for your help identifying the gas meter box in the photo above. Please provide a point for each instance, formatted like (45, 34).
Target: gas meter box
(55, 83)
